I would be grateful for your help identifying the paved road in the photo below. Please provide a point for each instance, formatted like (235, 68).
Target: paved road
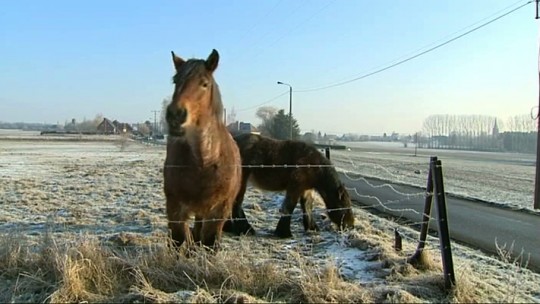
(474, 223)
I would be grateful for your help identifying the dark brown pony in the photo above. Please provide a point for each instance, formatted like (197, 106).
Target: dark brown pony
(202, 170)
(257, 150)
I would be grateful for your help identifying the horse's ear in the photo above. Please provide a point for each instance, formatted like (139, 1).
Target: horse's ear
(212, 61)
(178, 62)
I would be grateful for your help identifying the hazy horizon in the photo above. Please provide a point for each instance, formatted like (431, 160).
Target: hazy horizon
(65, 59)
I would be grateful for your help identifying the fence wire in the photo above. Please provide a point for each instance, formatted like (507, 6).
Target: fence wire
(387, 205)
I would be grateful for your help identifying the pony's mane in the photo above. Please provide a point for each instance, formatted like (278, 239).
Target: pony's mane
(329, 171)
(193, 68)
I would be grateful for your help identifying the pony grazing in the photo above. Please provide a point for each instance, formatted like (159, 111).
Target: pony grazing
(297, 181)
(202, 170)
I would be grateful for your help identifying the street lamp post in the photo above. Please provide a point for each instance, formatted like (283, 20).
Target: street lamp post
(290, 109)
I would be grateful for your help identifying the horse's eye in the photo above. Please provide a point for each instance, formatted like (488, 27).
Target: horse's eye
(205, 84)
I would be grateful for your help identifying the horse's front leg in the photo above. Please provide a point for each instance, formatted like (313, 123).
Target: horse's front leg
(178, 215)
(283, 229)
(212, 227)
(307, 213)
(197, 227)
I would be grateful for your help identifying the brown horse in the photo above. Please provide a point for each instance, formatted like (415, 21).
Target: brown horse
(297, 179)
(202, 169)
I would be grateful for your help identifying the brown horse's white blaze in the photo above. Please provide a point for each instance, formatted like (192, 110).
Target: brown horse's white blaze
(202, 170)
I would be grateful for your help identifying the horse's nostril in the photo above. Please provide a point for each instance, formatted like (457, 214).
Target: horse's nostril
(182, 115)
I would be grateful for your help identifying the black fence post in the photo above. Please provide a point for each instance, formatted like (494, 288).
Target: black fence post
(444, 234)
(327, 152)
(398, 243)
(415, 258)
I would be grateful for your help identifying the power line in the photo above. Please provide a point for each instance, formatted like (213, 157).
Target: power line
(415, 56)
(298, 25)
(265, 16)
(262, 38)
(263, 103)
(433, 43)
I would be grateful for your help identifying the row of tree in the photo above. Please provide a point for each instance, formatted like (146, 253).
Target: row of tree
(445, 125)
(479, 132)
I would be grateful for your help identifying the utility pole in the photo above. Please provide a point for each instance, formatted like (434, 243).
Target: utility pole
(155, 121)
(537, 177)
(290, 113)
(290, 109)
(415, 143)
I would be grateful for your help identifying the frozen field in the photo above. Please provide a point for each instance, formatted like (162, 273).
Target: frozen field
(501, 178)
(73, 191)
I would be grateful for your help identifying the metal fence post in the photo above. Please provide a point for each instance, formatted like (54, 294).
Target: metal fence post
(327, 152)
(415, 258)
(444, 234)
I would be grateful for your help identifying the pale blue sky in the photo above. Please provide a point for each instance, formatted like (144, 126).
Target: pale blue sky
(64, 59)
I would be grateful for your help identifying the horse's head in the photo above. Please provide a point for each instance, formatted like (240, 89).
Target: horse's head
(196, 95)
(339, 204)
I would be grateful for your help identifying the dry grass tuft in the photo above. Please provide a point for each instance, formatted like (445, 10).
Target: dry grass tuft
(398, 296)
(425, 261)
(466, 290)
(12, 253)
(89, 272)
(327, 285)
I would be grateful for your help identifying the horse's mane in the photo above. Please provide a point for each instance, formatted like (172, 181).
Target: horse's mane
(328, 169)
(193, 68)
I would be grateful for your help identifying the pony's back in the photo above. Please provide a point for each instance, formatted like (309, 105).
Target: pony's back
(279, 159)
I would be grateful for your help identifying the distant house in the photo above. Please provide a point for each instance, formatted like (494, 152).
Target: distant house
(241, 128)
(123, 127)
(106, 127)
(328, 139)
(113, 127)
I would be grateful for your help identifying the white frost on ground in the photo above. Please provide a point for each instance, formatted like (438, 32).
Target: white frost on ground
(317, 247)
(99, 188)
(501, 178)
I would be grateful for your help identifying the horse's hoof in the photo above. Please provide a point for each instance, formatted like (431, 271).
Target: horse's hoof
(174, 244)
(229, 227)
(250, 231)
(238, 228)
(283, 234)
(245, 229)
(313, 228)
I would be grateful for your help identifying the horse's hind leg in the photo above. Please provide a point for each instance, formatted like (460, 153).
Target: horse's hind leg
(283, 229)
(307, 214)
(239, 224)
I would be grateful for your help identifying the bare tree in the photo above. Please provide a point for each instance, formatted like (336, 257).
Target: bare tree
(163, 122)
(521, 123)
(144, 129)
(266, 114)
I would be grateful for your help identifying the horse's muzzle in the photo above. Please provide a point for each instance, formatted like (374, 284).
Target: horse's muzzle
(175, 119)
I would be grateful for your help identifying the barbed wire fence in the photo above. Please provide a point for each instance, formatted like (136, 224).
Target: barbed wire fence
(434, 191)
(350, 178)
